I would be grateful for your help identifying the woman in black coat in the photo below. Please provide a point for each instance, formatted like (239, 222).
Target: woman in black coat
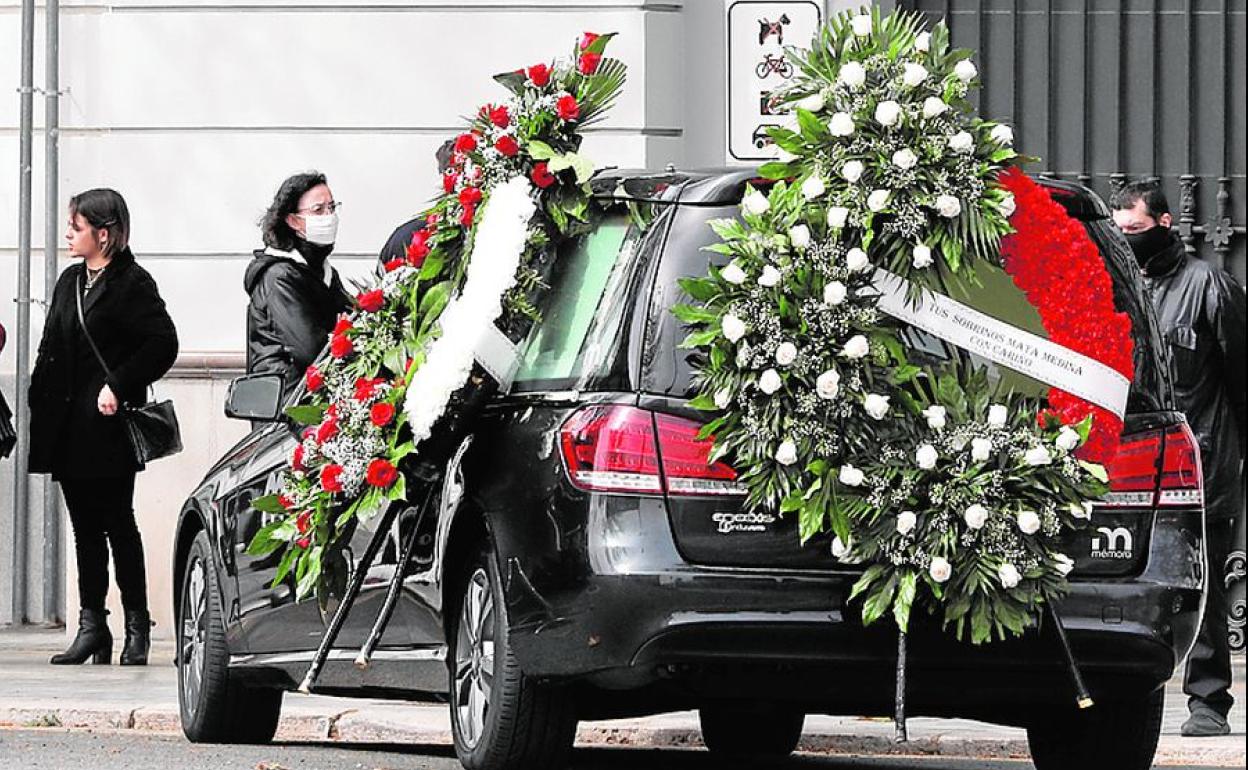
(76, 433)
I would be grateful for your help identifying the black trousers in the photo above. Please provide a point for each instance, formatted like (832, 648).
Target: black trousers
(1208, 679)
(102, 514)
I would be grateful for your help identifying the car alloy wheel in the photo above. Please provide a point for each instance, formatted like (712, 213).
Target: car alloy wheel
(193, 634)
(474, 657)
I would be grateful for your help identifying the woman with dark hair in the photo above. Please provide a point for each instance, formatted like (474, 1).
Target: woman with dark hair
(296, 295)
(76, 433)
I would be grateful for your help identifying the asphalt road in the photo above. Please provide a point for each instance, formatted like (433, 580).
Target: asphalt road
(60, 749)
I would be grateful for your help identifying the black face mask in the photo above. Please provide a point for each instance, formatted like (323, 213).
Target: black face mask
(1148, 244)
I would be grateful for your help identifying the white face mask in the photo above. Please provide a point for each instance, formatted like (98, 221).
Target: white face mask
(321, 229)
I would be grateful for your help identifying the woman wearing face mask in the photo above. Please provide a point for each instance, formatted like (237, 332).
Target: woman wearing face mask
(296, 295)
(76, 432)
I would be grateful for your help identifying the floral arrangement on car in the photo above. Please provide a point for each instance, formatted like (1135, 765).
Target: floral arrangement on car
(951, 491)
(402, 366)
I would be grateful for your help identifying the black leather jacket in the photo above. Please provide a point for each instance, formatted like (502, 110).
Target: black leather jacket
(290, 315)
(1200, 309)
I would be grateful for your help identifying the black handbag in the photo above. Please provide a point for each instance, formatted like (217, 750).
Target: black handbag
(152, 427)
(8, 436)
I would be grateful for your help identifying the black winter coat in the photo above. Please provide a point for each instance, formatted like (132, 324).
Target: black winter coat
(69, 438)
(290, 315)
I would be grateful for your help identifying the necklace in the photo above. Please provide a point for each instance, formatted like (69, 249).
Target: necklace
(93, 277)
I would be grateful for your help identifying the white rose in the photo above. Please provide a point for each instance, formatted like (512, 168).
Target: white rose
(786, 453)
(834, 293)
(799, 236)
(1008, 575)
(998, 415)
(1002, 134)
(841, 124)
(1063, 564)
(839, 548)
(1037, 456)
(857, 347)
(877, 201)
(851, 476)
(962, 142)
(856, 260)
(769, 382)
(875, 405)
(769, 277)
(852, 74)
(923, 42)
(922, 256)
(786, 353)
(828, 384)
(906, 522)
(965, 70)
(975, 516)
(723, 398)
(926, 457)
(733, 274)
(934, 106)
(1007, 206)
(861, 24)
(755, 203)
(852, 171)
(813, 187)
(948, 206)
(940, 569)
(837, 215)
(732, 327)
(935, 415)
(812, 103)
(914, 75)
(905, 158)
(1067, 438)
(1028, 522)
(981, 449)
(887, 113)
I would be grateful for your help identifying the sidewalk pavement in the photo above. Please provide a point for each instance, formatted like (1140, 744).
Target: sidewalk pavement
(35, 694)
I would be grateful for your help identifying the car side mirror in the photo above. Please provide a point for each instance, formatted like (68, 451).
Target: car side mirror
(255, 397)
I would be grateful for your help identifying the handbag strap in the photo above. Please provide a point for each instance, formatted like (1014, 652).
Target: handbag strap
(83, 324)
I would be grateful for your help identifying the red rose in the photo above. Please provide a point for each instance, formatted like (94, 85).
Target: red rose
(331, 411)
(341, 346)
(469, 196)
(433, 219)
(303, 542)
(371, 301)
(507, 145)
(541, 175)
(285, 502)
(313, 379)
(587, 39)
(470, 213)
(381, 414)
(567, 107)
(499, 116)
(418, 249)
(330, 480)
(366, 388)
(465, 143)
(539, 75)
(296, 458)
(326, 430)
(309, 432)
(303, 522)
(448, 182)
(589, 62)
(343, 325)
(381, 473)
(394, 264)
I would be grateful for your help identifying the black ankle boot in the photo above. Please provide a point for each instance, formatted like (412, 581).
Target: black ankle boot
(138, 638)
(93, 640)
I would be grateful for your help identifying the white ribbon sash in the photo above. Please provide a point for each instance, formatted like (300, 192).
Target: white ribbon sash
(1005, 344)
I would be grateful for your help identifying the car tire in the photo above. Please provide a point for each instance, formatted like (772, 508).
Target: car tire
(500, 718)
(215, 708)
(731, 732)
(1113, 733)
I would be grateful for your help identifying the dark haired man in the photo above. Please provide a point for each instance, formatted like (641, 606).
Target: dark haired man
(1200, 309)
(396, 245)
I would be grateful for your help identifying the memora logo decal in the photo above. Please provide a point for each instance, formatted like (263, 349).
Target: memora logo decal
(1116, 543)
(727, 523)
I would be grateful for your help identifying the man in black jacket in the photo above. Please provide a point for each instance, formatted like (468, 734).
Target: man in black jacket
(296, 295)
(1200, 310)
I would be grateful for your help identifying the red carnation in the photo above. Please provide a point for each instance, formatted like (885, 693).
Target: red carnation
(469, 196)
(448, 182)
(296, 458)
(341, 346)
(343, 326)
(366, 388)
(371, 301)
(588, 38)
(327, 430)
(499, 116)
(465, 143)
(381, 473)
(470, 213)
(313, 379)
(567, 107)
(394, 264)
(539, 75)
(303, 522)
(381, 414)
(507, 145)
(589, 62)
(330, 478)
(541, 175)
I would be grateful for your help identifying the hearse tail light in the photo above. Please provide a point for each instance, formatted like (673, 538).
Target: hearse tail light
(686, 469)
(1156, 469)
(1182, 482)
